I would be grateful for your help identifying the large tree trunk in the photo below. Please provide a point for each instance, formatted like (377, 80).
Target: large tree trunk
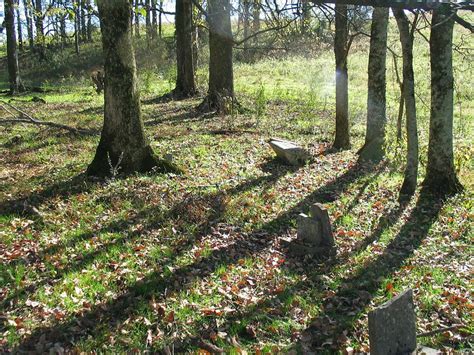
(220, 97)
(373, 149)
(12, 50)
(406, 39)
(342, 140)
(123, 146)
(185, 84)
(440, 173)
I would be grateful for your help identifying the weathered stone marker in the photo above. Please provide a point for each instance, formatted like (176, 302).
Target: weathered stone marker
(290, 152)
(392, 326)
(314, 236)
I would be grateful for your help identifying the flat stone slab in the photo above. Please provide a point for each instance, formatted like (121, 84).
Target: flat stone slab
(392, 326)
(309, 230)
(320, 213)
(289, 152)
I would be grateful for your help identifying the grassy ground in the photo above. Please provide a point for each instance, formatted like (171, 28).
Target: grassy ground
(154, 261)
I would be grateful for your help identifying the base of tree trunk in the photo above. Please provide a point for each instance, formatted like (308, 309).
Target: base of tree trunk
(372, 151)
(341, 145)
(219, 104)
(408, 189)
(101, 166)
(442, 185)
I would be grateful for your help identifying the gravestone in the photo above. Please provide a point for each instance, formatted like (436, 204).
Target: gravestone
(321, 214)
(289, 152)
(314, 236)
(392, 326)
(309, 230)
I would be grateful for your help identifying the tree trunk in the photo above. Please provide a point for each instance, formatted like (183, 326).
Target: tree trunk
(89, 21)
(406, 39)
(220, 97)
(29, 23)
(246, 26)
(342, 139)
(137, 19)
(20, 32)
(440, 173)
(123, 147)
(185, 84)
(83, 21)
(39, 27)
(154, 20)
(77, 25)
(373, 149)
(160, 21)
(12, 50)
(148, 22)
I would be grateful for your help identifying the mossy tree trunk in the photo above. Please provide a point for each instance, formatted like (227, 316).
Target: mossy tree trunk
(373, 149)
(408, 91)
(221, 78)
(342, 139)
(123, 146)
(440, 173)
(185, 84)
(16, 85)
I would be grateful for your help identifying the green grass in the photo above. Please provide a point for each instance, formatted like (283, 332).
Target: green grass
(150, 261)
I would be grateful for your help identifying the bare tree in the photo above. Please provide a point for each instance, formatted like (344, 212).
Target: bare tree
(12, 50)
(373, 149)
(123, 146)
(440, 173)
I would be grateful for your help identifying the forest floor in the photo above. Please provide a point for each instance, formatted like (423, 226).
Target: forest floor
(196, 261)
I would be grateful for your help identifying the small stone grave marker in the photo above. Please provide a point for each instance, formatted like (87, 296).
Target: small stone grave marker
(392, 326)
(289, 152)
(314, 236)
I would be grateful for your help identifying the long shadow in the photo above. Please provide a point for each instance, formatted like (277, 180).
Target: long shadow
(155, 284)
(75, 185)
(356, 291)
(189, 211)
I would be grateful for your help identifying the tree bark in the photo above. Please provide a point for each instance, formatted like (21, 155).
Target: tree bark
(246, 27)
(83, 21)
(39, 27)
(89, 21)
(18, 22)
(154, 19)
(123, 146)
(373, 149)
(12, 50)
(220, 96)
(77, 25)
(342, 139)
(149, 34)
(185, 84)
(406, 39)
(440, 173)
(137, 19)
(29, 23)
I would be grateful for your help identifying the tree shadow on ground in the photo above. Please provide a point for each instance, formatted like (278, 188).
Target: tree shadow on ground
(63, 189)
(187, 212)
(356, 291)
(156, 285)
